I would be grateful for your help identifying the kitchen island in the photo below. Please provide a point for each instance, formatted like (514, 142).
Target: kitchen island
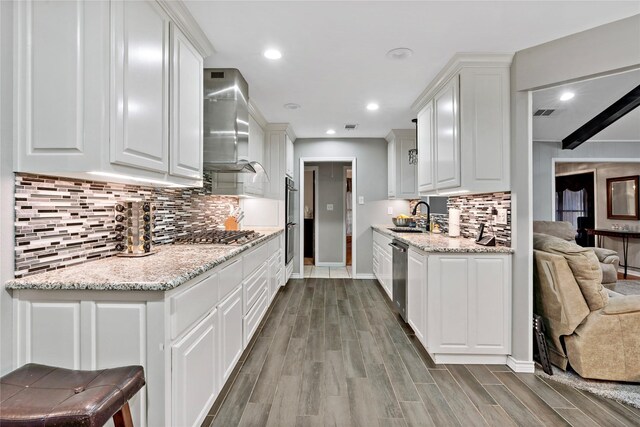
(185, 313)
(458, 294)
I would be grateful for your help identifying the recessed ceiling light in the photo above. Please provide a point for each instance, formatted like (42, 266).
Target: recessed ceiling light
(331, 132)
(567, 96)
(399, 53)
(272, 54)
(292, 106)
(372, 106)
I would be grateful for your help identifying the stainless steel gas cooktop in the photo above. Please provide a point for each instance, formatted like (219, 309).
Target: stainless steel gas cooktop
(218, 237)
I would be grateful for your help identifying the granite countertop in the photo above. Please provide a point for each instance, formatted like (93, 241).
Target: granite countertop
(167, 269)
(430, 242)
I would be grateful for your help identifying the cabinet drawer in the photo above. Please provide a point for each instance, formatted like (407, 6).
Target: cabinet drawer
(254, 258)
(274, 245)
(230, 277)
(253, 318)
(382, 240)
(254, 285)
(192, 304)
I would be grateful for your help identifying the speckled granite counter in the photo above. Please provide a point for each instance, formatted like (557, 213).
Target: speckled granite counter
(169, 268)
(429, 242)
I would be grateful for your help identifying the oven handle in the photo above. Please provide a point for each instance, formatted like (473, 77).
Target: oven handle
(291, 225)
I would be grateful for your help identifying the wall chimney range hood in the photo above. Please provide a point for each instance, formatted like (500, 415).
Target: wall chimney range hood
(226, 123)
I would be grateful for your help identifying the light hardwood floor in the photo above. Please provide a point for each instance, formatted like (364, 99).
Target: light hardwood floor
(332, 353)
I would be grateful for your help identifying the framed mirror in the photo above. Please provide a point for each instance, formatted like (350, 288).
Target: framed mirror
(622, 198)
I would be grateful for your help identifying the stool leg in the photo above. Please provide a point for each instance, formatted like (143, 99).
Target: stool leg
(122, 418)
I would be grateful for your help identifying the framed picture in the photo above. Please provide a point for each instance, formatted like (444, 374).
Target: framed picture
(622, 198)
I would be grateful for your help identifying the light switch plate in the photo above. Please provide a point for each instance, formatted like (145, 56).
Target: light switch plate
(329, 207)
(361, 200)
(390, 210)
(501, 218)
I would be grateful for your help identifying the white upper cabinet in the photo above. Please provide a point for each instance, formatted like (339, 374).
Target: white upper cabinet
(402, 176)
(289, 151)
(447, 148)
(463, 127)
(426, 162)
(140, 93)
(256, 153)
(185, 156)
(98, 96)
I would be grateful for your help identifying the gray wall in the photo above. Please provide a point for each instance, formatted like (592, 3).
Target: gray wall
(543, 173)
(604, 171)
(6, 185)
(371, 183)
(609, 48)
(330, 232)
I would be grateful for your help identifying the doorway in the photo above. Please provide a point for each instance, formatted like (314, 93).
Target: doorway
(328, 217)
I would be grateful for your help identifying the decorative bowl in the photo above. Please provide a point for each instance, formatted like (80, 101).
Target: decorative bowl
(401, 222)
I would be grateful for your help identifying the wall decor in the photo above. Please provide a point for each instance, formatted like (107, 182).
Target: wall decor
(622, 198)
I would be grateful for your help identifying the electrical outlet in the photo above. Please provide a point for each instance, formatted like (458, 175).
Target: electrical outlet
(390, 210)
(501, 218)
(361, 200)
(329, 207)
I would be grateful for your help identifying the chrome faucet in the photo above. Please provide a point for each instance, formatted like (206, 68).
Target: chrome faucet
(415, 211)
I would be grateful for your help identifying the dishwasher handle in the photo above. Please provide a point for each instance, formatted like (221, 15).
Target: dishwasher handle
(396, 247)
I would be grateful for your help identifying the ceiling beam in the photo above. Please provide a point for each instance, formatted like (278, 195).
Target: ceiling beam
(612, 113)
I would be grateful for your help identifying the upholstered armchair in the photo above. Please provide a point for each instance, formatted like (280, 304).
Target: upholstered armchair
(609, 260)
(597, 335)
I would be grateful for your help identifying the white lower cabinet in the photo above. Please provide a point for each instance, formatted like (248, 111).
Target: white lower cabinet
(417, 293)
(459, 305)
(383, 261)
(195, 379)
(231, 321)
(188, 339)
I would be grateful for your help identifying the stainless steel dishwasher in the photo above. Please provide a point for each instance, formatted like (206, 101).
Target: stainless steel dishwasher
(400, 268)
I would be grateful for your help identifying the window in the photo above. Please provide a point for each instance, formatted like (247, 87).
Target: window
(571, 205)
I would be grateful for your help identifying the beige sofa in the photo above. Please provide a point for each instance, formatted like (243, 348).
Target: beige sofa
(609, 260)
(599, 337)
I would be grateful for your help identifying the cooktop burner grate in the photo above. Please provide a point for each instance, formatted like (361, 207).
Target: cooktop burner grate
(219, 237)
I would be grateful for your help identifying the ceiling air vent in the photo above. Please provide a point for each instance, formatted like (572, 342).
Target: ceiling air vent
(350, 126)
(543, 112)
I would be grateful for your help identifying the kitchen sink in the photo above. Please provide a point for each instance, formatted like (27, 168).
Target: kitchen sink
(406, 230)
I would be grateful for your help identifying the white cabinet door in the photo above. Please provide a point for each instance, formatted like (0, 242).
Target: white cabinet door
(426, 150)
(417, 294)
(230, 342)
(194, 377)
(289, 155)
(274, 272)
(140, 79)
(388, 272)
(447, 136)
(256, 153)
(274, 156)
(61, 76)
(186, 108)
(406, 173)
(469, 304)
(391, 168)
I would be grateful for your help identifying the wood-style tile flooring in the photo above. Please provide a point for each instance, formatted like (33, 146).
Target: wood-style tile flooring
(332, 352)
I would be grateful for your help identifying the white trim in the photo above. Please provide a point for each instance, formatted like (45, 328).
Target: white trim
(354, 194)
(469, 359)
(553, 189)
(296, 276)
(364, 276)
(316, 171)
(528, 367)
(344, 214)
(255, 112)
(329, 264)
(181, 16)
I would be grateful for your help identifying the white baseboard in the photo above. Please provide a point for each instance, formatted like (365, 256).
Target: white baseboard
(363, 276)
(296, 276)
(469, 359)
(330, 264)
(524, 366)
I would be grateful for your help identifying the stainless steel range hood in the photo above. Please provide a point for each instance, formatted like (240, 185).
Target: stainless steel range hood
(226, 122)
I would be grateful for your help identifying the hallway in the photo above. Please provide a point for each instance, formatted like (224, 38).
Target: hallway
(331, 352)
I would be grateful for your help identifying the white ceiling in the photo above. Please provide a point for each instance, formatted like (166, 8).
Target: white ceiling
(334, 51)
(591, 98)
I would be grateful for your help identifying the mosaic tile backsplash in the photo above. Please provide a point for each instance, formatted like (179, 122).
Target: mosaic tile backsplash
(475, 209)
(61, 222)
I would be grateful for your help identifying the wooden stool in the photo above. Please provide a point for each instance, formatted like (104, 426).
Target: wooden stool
(40, 395)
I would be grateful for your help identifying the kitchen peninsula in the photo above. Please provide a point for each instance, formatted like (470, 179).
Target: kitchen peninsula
(458, 294)
(185, 314)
